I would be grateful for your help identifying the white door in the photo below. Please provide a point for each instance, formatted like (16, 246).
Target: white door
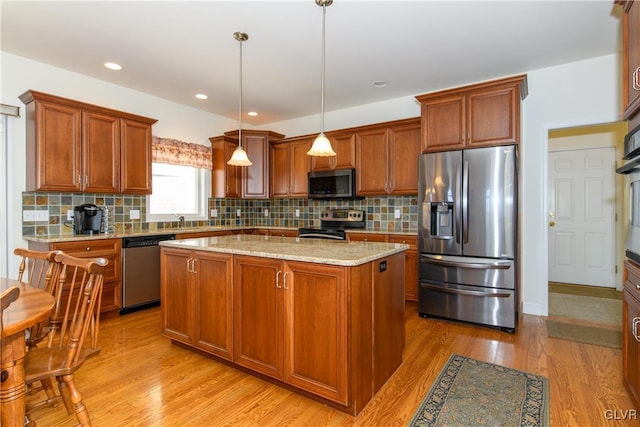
(581, 217)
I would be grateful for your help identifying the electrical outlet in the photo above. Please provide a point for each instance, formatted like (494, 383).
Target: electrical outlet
(214, 213)
(238, 213)
(134, 214)
(297, 213)
(35, 216)
(266, 212)
(396, 214)
(69, 215)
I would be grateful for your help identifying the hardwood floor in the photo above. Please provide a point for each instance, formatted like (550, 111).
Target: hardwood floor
(141, 379)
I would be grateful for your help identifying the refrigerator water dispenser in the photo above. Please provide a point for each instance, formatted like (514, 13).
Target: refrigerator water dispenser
(442, 220)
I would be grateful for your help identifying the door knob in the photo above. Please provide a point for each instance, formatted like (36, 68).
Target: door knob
(551, 224)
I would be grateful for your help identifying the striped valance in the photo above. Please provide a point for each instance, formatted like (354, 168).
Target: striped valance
(172, 151)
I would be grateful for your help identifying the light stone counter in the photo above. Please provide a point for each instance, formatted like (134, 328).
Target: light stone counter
(319, 251)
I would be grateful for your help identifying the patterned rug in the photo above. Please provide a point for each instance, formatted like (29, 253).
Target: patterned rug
(470, 392)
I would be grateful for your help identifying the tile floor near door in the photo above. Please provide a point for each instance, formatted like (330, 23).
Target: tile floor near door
(584, 307)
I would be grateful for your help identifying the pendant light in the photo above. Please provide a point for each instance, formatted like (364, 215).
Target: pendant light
(321, 145)
(239, 156)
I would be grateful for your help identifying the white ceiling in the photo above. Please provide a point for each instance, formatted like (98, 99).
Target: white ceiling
(176, 49)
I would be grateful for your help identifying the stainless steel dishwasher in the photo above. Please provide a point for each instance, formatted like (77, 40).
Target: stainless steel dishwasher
(141, 272)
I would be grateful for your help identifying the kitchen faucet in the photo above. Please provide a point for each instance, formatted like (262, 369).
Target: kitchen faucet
(180, 220)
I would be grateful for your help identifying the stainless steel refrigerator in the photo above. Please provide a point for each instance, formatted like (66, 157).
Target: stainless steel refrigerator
(468, 228)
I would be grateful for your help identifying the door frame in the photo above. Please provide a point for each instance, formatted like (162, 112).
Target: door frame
(619, 190)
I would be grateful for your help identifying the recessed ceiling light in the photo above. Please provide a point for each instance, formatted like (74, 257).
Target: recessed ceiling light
(113, 66)
(379, 84)
(252, 113)
(201, 96)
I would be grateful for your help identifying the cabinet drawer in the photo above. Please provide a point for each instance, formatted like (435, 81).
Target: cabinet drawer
(632, 280)
(367, 237)
(412, 241)
(107, 248)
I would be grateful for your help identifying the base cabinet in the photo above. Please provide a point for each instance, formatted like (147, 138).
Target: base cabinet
(111, 250)
(631, 331)
(197, 310)
(332, 331)
(280, 332)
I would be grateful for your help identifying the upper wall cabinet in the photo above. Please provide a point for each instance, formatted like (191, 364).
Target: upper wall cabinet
(480, 115)
(255, 178)
(630, 58)
(225, 179)
(387, 158)
(288, 167)
(343, 143)
(78, 147)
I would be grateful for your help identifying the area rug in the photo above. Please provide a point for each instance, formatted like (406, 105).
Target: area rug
(470, 392)
(590, 334)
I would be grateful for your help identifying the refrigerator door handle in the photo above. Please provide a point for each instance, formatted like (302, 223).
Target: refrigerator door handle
(437, 260)
(458, 204)
(466, 292)
(465, 201)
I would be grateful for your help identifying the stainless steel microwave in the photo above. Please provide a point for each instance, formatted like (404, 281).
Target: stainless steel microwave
(332, 184)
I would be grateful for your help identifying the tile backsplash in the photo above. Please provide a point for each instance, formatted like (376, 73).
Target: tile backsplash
(253, 212)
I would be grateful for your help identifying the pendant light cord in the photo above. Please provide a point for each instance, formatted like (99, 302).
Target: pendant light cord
(324, 13)
(240, 102)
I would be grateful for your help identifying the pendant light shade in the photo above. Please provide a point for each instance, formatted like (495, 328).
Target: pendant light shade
(239, 156)
(321, 145)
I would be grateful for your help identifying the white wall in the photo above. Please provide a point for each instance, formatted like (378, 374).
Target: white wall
(574, 94)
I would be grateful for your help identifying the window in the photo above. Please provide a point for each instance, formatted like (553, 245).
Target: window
(178, 190)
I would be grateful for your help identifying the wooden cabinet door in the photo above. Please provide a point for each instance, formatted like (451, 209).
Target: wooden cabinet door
(56, 149)
(372, 154)
(344, 144)
(630, 345)
(299, 166)
(257, 311)
(493, 117)
(279, 164)
(255, 178)
(100, 153)
(410, 265)
(213, 303)
(404, 149)
(136, 157)
(225, 179)
(631, 59)
(443, 123)
(316, 357)
(631, 356)
(176, 294)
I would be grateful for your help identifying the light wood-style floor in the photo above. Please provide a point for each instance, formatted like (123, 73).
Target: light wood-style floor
(141, 379)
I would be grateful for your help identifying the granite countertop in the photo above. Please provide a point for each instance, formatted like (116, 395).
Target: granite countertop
(97, 236)
(320, 251)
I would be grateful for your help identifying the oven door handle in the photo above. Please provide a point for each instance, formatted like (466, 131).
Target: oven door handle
(322, 236)
(466, 292)
(498, 265)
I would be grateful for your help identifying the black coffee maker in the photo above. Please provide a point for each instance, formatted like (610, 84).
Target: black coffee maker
(87, 219)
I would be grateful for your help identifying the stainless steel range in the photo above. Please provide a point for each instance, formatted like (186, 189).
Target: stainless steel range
(334, 222)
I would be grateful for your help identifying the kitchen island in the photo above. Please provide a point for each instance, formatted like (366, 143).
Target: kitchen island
(320, 317)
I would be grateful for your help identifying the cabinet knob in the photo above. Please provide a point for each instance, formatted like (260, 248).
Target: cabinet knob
(638, 287)
(552, 224)
(88, 248)
(635, 81)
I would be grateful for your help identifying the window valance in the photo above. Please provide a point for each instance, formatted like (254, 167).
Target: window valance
(175, 152)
